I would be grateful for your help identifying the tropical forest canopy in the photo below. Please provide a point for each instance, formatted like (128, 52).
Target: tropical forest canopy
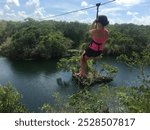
(52, 39)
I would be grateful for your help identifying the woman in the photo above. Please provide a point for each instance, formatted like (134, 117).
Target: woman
(99, 35)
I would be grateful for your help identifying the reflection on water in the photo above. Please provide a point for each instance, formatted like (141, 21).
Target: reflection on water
(125, 76)
(37, 81)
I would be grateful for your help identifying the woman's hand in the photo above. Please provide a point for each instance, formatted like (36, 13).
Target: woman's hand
(95, 21)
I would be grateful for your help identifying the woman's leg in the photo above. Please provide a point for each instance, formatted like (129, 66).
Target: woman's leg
(83, 65)
(83, 62)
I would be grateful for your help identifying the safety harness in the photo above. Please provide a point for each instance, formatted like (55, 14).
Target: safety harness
(98, 44)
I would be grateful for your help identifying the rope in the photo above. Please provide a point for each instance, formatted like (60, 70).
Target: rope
(57, 15)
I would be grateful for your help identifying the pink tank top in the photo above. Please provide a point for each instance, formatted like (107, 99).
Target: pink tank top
(101, 41)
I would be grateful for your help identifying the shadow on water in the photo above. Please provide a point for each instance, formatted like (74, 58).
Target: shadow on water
(33, 67)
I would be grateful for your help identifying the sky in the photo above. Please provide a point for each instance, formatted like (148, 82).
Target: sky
(119, 11)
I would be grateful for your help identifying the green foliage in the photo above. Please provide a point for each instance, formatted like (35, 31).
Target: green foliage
(10, 100)
(52, 46)
(141, 61)
(57, 107)
(84, 101)
(24, 41)
(127, 99)
(3, 25)
(105, 99)
(134, 99)
(72, 52)
(27, 35)
(73, 64)
(5, 47)
(35, 40)
(109, 70)
(136, 59)
(7, 29)
(50, 39)
(116, 99)
(74, 30)
(125, 38)
(69, 64)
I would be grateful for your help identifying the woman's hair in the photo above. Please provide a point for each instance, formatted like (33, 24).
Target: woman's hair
(103, 20)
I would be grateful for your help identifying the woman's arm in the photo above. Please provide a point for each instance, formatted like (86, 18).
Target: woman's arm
(93, 26)
(92, 32)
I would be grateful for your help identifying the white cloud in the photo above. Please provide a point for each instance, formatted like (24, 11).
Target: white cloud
(136, 19)
(7, 12)
(13, 2)
(86, 20)
(78, 16)
(128, 2)
(116, 20)
(143, 20)
(38, 10)
(6, 7)
(22, 14)
(38, 13)
(11, 14)
(1, 13)
(111, 10)
(84, 4)
(132, 13)
(35, 3)
(82, 13)
(119, 13)
(115, 11)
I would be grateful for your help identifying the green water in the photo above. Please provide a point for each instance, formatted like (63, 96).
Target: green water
(37, 81)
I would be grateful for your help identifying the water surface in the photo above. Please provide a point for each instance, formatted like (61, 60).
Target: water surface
(37, 81)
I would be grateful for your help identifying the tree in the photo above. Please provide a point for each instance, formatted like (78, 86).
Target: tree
(141, 61)
(23, 42)
(10, 100)
(54, 45)
(74, 30)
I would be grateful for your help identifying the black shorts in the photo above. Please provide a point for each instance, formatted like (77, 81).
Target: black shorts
(91, 53)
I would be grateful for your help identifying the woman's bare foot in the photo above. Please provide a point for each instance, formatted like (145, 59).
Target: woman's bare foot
(77, 74)
(80, 75)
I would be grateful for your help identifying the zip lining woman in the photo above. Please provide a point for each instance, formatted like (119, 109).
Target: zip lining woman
(99, 35)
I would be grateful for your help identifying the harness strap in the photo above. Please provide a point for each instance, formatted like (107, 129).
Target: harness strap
(98, 44)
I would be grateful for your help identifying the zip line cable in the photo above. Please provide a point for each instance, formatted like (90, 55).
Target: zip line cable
(57, 15)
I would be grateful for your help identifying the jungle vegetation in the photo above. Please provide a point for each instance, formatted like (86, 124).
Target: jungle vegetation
(35, 40)
(32, 39)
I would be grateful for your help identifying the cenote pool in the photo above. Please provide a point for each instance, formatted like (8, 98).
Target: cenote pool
(37, 81)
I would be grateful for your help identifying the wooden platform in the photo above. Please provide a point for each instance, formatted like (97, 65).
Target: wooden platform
(86, 82)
